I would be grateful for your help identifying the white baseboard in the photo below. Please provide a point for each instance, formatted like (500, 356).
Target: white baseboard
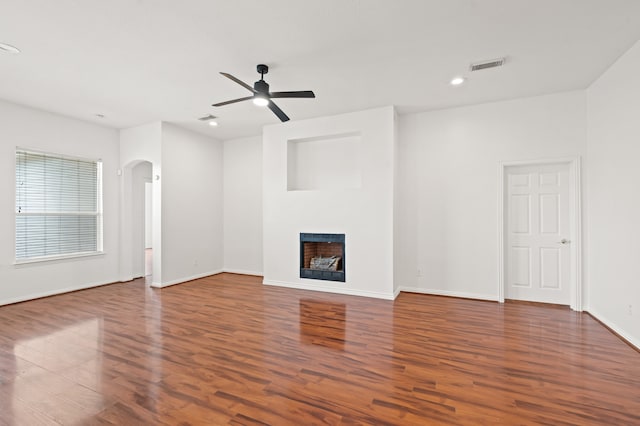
(186, 279)
(613, 326)
(338, 290)
(55, 292)
(461, 294)
(242, 272)
(396, 292)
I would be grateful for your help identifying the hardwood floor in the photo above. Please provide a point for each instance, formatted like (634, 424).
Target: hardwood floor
(228, 350)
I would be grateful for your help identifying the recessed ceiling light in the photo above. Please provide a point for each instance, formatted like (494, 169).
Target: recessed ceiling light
(8, 48)
(457, 81)
(213, 123)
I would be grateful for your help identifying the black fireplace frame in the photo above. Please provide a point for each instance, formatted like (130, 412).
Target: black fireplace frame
(317, 274)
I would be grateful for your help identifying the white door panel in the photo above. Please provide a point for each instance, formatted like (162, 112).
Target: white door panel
(537, 212)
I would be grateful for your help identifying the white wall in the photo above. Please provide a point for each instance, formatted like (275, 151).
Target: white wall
(447, 214)
(187, 203)
(28, 128)
(614, 196)
(364, 215)
(397, 207)
(192, 230)
(243, 205)
(148, 214)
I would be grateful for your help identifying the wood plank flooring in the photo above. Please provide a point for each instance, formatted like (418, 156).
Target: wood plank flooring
(228, 350)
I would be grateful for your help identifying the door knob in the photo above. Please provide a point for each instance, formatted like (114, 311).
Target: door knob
(564, 241)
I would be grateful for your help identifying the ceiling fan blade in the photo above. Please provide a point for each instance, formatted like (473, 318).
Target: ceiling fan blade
(232, 101)
(240, 82)
(278, 112)
(298, 94)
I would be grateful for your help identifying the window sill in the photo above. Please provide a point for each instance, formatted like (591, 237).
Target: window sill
(54, 258)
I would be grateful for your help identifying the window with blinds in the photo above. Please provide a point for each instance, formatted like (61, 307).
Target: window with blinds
(58, 206)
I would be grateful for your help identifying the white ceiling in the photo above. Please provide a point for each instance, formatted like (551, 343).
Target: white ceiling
(137, 61)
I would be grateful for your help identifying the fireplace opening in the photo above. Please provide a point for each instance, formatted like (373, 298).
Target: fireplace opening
(322, 257)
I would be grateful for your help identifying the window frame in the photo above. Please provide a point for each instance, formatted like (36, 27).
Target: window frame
(98, 214)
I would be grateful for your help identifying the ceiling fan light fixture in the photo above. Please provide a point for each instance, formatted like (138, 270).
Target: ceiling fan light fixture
(260, 100)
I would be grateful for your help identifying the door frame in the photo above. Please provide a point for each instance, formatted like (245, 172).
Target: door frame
(575, 217)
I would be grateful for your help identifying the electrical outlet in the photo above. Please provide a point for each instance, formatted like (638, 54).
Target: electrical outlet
(419, 272)
(195, 262)
(630, 310)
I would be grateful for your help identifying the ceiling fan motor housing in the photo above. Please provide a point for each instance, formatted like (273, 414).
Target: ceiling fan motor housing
(261, 86)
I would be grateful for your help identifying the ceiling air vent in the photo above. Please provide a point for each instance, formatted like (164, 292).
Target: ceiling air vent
(487, 64)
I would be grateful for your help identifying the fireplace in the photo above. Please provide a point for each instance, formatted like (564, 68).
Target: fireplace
(322, 257)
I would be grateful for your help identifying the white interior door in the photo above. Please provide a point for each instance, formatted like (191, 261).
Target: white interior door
(537, 229)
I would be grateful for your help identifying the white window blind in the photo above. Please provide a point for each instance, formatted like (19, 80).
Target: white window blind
(58, 206)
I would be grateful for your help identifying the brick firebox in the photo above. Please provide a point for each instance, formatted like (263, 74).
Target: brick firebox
(322, 245)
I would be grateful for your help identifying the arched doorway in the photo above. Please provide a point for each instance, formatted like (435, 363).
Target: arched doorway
(140, 254)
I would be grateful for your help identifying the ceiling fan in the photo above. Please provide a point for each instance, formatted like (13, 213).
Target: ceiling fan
(261, 95)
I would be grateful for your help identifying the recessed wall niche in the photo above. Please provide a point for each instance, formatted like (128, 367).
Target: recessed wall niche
(324, 162)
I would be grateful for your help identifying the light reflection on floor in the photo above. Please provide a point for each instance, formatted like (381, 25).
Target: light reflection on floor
(58, 373)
